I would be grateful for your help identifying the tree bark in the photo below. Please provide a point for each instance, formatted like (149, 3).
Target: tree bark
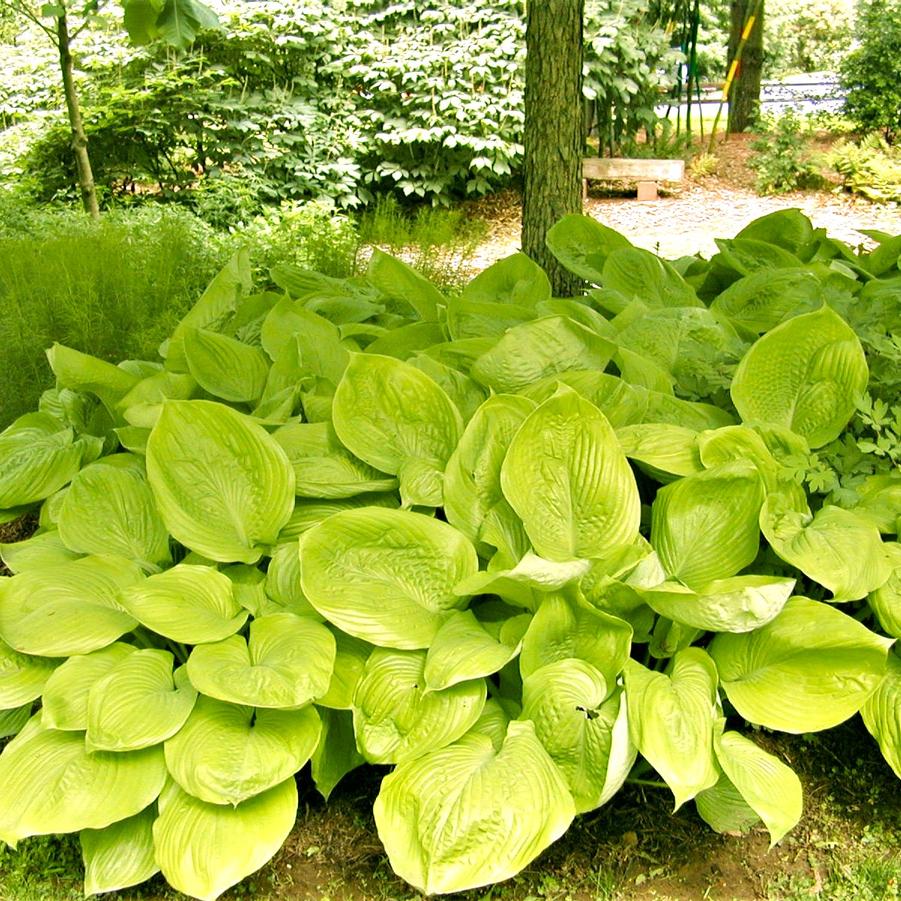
(554, 139)
(744, 98)
(79, 138)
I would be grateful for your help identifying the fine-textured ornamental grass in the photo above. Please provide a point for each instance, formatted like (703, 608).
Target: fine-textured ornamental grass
(114, 290)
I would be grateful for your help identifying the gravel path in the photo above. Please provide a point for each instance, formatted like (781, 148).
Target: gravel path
(688, 221)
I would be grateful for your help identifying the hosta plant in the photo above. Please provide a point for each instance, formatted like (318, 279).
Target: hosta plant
(514, 547)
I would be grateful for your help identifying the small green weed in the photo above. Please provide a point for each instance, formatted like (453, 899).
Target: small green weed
(43, 868)
(781, 159)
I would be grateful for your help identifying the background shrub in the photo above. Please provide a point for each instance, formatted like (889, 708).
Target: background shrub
(871, 167)
(344, 101)
(871, 74)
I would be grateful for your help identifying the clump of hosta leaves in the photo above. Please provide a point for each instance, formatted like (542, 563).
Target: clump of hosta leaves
(505, 543)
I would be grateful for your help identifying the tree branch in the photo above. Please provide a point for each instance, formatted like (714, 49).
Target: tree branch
(23, 10)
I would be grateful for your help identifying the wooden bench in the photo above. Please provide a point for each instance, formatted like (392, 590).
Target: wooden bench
(646, 172)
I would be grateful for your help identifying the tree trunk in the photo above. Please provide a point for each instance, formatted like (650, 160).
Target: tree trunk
(554, 138)
(744, 98)
(79, 138)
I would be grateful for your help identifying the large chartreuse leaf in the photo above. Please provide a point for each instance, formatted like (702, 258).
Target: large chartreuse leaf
(224, 366)
(671, 720)
(318, 342)
(189, 603)
(323, 467)
(467, 395)
(809, 669)
(474, 319)
(248, 587)
(806, 374)
(741, 444)
(527, 581)
(398, 281)
(464, 649)
(704, 527)
(22, 676)
(569, 482)
(515, 279)
(687, 345)
(835, 547)
(882, 714)
(582, 723)
(469, 815)
(142, 404)
(472, 480)
(351, 655)
(738, 604)
(336, 754)
(635, 272)
(226, 753)
(537, 349)
(386, 576)
(82, 372)
(759, 302)
(41, 550)
(309, 512)
(119, 856)
(204, 849)
(282, 584)
(223, 486)
(769, 787)
(561, 630)
(138, 703)
(398, 717)
(788, 228)
(217, 302)
(723, 808)
(745, 256)
(286, 662)
(70, 608)
(665, 450)
(39, 456)
(885, 602)
(582, 244)
(395, 418)
(65, 698)
(109, 509)
(51, 783)
(405, 340)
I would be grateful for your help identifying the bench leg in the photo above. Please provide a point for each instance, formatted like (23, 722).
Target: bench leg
(584, 189)
(647, 190)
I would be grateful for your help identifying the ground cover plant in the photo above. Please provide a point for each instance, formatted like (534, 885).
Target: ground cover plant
(358, 520)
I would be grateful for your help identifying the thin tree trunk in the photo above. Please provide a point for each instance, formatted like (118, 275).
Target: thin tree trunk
(744, 98)
(554, 138)
(79, 138)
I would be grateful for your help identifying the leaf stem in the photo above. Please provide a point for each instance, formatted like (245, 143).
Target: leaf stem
(649, 783)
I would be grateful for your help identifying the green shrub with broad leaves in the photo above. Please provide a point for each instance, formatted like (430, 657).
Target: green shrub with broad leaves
(348, 101)
(512, 546)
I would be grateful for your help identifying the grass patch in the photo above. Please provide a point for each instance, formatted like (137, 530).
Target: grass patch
(436, 241)
(114, 289)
